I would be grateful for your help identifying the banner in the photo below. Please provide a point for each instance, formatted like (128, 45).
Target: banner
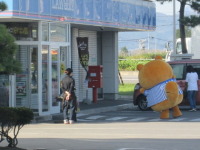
(82, 43)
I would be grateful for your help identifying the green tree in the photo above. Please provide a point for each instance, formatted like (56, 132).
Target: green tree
(124, 50)
(8, 64)
(3, 6)
(193, 20)
(182, 19)
(8, 48)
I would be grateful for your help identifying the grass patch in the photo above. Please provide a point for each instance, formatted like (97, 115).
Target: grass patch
(126, 89)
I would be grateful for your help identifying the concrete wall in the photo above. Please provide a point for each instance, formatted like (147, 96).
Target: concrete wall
(195, 42)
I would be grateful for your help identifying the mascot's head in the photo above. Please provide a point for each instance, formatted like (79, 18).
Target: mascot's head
(154, 72)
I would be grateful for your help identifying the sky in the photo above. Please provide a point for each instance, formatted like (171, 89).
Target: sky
(167, 8)
(164, 29)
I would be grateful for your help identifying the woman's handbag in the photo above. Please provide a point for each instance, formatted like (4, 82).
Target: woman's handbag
(63, 96)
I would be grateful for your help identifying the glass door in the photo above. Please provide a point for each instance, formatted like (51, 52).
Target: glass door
(55, 78)
(27, 80)
(33, 77)
(45, 78)
(50, 79)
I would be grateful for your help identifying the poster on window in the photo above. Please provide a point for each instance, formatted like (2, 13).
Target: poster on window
(82, 43)
(21, 88)
(83, 52)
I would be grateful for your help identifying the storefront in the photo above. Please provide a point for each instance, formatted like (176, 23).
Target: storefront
(46, 32)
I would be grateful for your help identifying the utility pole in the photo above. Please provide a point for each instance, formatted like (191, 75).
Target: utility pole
(174, 26)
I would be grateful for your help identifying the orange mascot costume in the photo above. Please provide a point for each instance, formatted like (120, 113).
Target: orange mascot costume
(159, 86)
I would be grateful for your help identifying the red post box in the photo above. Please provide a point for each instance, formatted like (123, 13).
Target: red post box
(95, 79)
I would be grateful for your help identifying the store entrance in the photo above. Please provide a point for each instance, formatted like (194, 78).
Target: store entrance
(50, 78)
(27, 80)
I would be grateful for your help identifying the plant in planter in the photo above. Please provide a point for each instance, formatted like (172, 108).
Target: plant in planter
(11, 121)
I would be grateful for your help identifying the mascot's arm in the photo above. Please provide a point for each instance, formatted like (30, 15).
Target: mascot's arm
(171, 90)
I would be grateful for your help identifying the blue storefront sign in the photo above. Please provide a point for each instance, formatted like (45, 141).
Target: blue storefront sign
(129, 14)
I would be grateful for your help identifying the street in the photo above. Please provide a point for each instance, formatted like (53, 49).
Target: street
(129, 76)
(116, 130)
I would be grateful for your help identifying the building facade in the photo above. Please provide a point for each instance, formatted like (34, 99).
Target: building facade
(46, 33)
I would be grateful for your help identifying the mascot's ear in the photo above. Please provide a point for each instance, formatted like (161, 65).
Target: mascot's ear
(158, 58)
(139, 66)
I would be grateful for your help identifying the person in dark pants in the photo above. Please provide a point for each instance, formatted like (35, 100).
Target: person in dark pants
(69, 103)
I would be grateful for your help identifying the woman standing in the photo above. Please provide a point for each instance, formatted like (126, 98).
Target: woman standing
(192, 86)
(69, 105)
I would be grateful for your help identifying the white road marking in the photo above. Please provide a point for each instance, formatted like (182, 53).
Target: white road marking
(115, 118)
(136, 119)
(136, 149)
(195, 120)
(154, 120)
(95, 117)
(83, 120)
(81, 114)
(176, 119)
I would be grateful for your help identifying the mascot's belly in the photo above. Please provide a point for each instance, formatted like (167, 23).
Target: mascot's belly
(157, 94)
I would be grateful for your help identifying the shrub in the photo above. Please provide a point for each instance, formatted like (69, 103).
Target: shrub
(13, 119)
(130, 64)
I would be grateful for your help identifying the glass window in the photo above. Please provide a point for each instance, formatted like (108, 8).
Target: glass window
(179, 71)
(45, 32)
(23, 31)
(4, 90)
(34, 70)
(45, 80)
(58, 32)
(55, 75)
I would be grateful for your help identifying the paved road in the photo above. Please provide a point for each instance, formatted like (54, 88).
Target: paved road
(117, 130)
(129, 76)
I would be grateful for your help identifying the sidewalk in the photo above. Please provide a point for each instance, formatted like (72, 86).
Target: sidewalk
(124, 102)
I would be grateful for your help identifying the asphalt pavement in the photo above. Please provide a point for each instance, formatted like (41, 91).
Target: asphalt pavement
(142, 130)
(46, 134)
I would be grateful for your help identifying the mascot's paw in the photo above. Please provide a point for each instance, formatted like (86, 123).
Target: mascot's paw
(176, 112)
(164, 114)
(171, 88)
(172, 92)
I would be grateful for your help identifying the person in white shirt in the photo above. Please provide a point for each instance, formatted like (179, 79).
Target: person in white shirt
(192, 86)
